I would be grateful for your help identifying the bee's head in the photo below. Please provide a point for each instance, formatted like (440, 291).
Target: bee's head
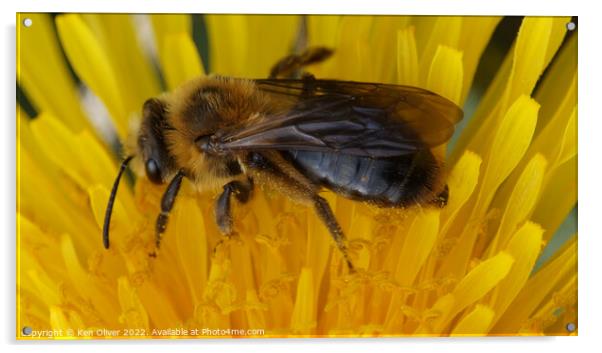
(150, 146)
(151, 143)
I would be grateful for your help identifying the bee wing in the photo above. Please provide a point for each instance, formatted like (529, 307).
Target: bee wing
(366, 119)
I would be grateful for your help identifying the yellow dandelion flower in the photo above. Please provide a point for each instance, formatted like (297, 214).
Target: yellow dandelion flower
(473, 267)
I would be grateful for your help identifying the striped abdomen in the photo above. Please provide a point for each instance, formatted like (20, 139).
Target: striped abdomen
(388, 182)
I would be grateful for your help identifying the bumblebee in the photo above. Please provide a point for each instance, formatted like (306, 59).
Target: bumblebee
(368, 142)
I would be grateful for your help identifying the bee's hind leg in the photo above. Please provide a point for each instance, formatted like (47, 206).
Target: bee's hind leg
(289, 66)
(441, 199)
(296, 189)
(327, 216)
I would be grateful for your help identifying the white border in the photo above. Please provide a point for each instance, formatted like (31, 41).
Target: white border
(409, 7)
(590, 80)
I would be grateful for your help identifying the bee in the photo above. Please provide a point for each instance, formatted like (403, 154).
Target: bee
(369, 142)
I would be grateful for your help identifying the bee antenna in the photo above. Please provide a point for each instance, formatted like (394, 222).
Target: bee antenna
(109, 211)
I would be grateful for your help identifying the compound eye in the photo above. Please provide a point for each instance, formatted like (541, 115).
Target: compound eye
(153, 172)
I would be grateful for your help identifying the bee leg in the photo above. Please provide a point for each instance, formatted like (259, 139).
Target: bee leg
(309, 83)
(441, 199)
(325, 213)
(223, 211)
(290, 65)
(167, 202)
(302, 192)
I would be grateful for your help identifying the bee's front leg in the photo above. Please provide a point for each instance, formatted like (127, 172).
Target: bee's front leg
(223, 210)
(167, 202)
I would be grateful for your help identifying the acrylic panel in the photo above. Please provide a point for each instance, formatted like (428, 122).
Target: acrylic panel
(466, 125)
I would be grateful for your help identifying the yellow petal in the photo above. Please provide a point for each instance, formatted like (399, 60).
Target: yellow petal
(510, 141)
(538, 39)
(83, 283)
(255, 312)
(43, 74)
(407, 57)
(553, 317)
(45, 286)
(53, 212)
(21, 115)
(446, 73)
(228, 43)
(559, 31)
(133, 313)
(360, 232)
(560, 189)
(303, 319)
(64, 319)
(361, 225)
(93, 66)
(134, 73)
(345, 212)
(486, 108)
(557, 141)
(120, 222)
(508, 146)
(440, 309)
(557, 98)
(243, 278)
(476, 323)
(38, 170)
(474, 37)
(26, 142)
(180, 59)
(98, 165)
(30, 312)
(34, 247)
(384, 28)
(461, 182)
(150, 294)
(37, 272)
(529, 55)
(433, 32)
(475, 285)
(61, 147)
(248, 46)
(270, 39)
(59, 321)
(192, 245)
(568, 146)
(563, 156)
(351, 59)
(522, 200)
(559, 127)
(524, 246)
(166, 24)
(482, 279)
(538, 288)
(80, 156)
(417, 246)
(219, 289)
(322, 30)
